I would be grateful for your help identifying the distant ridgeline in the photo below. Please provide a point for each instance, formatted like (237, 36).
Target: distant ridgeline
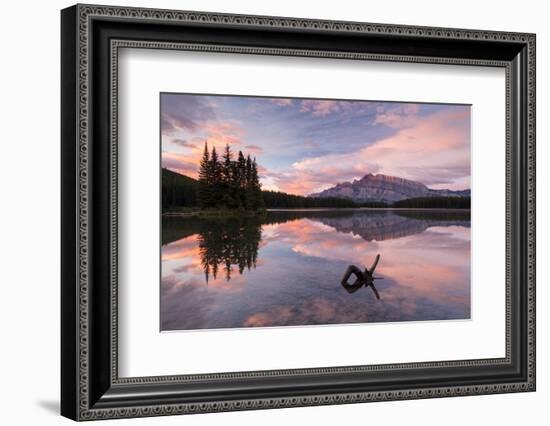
(178, 190)
(233, 184)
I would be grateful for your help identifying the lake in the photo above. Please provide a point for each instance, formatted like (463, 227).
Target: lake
(285, 269)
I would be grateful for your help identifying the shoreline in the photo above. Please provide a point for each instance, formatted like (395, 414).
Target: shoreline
(305, 209)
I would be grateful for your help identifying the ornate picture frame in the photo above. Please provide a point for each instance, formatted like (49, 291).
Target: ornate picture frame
(91, 37)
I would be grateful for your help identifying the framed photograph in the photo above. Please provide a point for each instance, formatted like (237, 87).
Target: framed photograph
(263, 212)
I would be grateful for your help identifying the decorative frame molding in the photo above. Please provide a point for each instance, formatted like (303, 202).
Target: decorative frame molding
(91, 37)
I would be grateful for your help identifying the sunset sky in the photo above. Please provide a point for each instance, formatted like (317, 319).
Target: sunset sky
(307, 145)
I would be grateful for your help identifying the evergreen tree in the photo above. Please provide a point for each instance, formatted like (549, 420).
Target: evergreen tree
(228, 176)
(204, 187)
(249, 187)
(248, 169)
(215, 179)
(257, 197)
(240, 179)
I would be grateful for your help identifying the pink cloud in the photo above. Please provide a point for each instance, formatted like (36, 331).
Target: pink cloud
(183, 143)
(320, 108)
(282, 101)
(172, 124)
(181, 163)
(434, 150)
(181, 249)
(220, 133)
(217, 134)
(311, 144)
(398, 117)
(307, 180)
(277, 315)
(253, 149)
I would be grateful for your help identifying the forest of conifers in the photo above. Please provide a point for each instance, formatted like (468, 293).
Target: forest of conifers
(225, 183)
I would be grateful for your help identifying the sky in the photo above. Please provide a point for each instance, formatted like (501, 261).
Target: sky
(308, 145)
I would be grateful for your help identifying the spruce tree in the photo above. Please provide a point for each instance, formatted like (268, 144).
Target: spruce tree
(240, 179)
(249, 188)
(204, 184)
(257, 197)
(258, 185)
(228, 167)
(215, 179)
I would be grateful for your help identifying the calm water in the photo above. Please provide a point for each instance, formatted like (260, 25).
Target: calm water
(286, 268)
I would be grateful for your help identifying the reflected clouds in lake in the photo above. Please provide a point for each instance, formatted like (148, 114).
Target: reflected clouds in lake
(286, 268)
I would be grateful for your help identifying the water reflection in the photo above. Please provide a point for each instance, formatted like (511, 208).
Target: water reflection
(228, 243)
(286, 269)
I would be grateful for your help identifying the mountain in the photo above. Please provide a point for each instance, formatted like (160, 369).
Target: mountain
(385, 188)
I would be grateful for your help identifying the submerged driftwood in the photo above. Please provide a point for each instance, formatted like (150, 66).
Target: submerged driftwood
(363, 278)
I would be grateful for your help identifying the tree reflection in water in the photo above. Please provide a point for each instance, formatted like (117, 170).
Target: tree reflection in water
(228, 243)
(224, 242)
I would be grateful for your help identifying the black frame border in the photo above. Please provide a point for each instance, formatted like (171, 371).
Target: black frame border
(91, 35)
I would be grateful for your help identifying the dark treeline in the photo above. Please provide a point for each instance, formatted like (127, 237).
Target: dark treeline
(462, 215)
(434, 203)
(227, 183)
(275, 199)
(177, 190)
(280, 200)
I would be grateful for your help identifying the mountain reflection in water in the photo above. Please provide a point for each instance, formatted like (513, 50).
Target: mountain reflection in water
(286, 268)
